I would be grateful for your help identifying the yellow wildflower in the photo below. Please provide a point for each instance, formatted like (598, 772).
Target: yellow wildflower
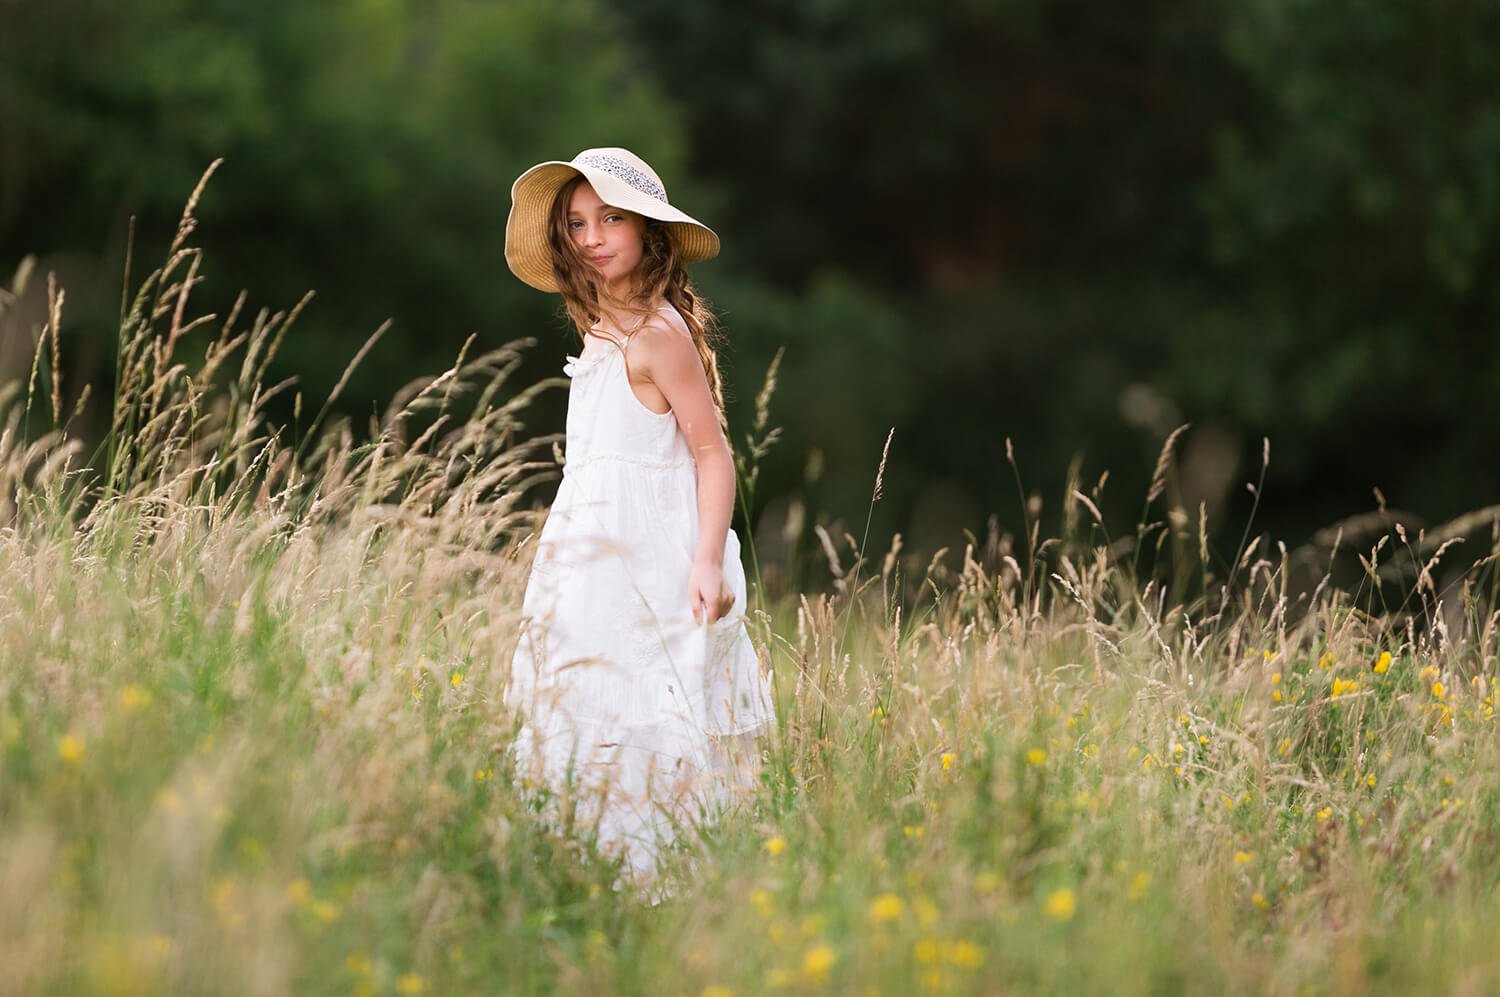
(817, 961)
(775, 845)
(1344, 687)
(886, 907)
(1259, 900)
(1138, 884)
(1370, 780)
(324, 911)
(299, 891)
(966, 954)
(761, 901)
(1062, 905)
(1439, 691)
(1325, 813)
(913, 831)
(1244, 858)
(70, 748)
(358, 964)
(1383, 663)
(411, 983)
(133, 697)
(948, 759)
(1036, 756)
(456, 680)
(1325, 662)
(926, 951)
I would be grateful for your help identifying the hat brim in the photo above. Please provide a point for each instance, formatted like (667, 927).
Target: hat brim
(531, 197)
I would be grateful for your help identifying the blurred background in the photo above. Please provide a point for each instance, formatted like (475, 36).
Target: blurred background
(1070, 225)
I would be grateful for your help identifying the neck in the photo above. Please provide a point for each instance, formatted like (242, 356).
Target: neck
(615, 314)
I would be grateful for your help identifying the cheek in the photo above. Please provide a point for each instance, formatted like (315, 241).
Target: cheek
(625, 247)
(637, 245)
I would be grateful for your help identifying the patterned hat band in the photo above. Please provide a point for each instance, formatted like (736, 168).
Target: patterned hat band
(642, 181)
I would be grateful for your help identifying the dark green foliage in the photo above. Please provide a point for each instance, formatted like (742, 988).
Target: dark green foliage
(1071, 225)
(369, 151)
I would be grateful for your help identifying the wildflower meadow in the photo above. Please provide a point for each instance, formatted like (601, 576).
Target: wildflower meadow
(252, 737)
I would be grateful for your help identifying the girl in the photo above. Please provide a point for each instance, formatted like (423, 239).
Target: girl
(634, 677)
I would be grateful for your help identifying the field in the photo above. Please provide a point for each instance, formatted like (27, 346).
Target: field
(252, 740)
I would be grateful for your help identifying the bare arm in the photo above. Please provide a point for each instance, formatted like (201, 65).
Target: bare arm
(667, 357)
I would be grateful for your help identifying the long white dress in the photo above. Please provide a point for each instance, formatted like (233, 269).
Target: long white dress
(628, 704)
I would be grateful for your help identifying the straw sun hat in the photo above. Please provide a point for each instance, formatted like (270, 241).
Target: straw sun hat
(622, 180)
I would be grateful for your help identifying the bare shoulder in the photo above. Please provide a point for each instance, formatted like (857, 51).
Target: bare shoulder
(663, 340)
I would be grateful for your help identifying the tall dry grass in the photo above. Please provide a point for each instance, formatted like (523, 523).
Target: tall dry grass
(251, 737)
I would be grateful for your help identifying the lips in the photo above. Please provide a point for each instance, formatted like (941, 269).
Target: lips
(599, 261)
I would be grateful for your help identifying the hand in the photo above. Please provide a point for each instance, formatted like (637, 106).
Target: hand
(708, 596)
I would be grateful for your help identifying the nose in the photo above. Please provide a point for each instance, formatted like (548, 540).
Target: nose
(592, 235)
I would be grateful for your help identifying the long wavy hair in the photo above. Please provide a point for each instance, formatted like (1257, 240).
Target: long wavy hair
(660, 277)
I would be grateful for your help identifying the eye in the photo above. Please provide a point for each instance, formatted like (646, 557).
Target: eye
(614, 218)
(574, 223)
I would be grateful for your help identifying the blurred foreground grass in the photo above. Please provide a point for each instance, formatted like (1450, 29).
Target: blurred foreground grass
(251, 741)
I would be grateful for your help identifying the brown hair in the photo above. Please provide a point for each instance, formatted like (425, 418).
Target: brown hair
(662, 277)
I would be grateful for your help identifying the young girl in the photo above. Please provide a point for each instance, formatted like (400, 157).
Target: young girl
(638, 687)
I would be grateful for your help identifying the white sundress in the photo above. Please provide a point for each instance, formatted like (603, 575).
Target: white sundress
(626, 702)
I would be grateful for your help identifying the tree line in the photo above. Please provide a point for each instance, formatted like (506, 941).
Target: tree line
(1066, 226)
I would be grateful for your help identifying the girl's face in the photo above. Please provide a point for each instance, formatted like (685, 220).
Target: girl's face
(609, 238)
